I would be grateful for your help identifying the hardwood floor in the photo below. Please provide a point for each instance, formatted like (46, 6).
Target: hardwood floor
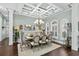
(6, 50)
(62, 52)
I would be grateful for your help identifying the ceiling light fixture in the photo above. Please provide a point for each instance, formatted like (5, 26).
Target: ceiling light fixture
(39, 22)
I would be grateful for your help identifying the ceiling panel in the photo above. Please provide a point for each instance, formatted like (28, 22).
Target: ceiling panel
(46, 14)
(51, 11)
(38, 9)
(34, 4)
(27, 7)
(42, 9)
(63, 6)
(38, 12)
(44, 6)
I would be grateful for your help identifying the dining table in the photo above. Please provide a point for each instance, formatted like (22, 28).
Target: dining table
(29, 38)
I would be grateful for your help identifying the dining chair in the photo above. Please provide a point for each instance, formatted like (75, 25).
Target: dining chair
(35, 42)
(23, 41)
(49, 39)
(42, 41)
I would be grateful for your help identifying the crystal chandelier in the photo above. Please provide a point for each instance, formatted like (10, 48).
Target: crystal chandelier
(39, 22)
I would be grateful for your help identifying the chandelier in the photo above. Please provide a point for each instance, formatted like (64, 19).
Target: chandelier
(39, 21)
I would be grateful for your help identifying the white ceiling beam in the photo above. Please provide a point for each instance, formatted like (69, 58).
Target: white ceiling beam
(46, 11)
(36, 8)
(51, 8)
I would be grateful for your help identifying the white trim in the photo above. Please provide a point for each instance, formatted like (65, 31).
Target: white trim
(0, 28)
(58, 41)
(54, 26)
(75, 18)
(10, 27)
(36, 8)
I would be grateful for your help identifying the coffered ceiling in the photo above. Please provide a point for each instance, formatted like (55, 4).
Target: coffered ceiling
(41, 10)
(36, 10)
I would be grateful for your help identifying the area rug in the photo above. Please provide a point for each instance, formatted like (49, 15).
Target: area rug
(38, 51)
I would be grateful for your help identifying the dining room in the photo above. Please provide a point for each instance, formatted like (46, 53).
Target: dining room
(36, 29)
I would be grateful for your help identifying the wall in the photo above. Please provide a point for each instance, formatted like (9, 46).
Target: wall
(18, 20)
(23, 20)
(75, 32)
(0, 28)
(60, 16)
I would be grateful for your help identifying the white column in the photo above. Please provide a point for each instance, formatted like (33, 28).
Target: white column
(75, 18)
(10, 27)
(0, 28)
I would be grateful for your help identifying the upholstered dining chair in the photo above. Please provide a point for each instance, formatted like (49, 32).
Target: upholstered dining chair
(43, 40)
(23, 42)
(35, 42)
(49, 38)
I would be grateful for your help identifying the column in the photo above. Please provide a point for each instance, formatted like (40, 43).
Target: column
(75, 18)
(0, 28)
(10, 27)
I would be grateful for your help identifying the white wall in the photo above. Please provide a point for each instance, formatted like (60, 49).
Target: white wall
(75, 19)
(13, 6)
(18, 20)
(0, 28)
(64, 15)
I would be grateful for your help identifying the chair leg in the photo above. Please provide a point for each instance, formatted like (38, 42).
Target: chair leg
(21, 47)
(29, 45)
(41, 45)
(38, 47)
(25, 46)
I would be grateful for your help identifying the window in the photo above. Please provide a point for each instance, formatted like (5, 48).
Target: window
(54, 28)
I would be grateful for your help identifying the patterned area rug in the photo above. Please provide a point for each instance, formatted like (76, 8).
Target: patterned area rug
(37, 51)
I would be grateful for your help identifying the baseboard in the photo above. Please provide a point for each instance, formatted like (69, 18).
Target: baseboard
(4, 39)
(58, 42)
(0, 42)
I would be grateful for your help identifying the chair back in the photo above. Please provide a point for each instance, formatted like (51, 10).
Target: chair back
(44, 38)
(36, 39)
(50, 37)
(22, 38)
(41, 35)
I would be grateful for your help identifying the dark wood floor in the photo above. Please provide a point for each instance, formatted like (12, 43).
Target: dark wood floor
(6, 50)
(62, 52)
